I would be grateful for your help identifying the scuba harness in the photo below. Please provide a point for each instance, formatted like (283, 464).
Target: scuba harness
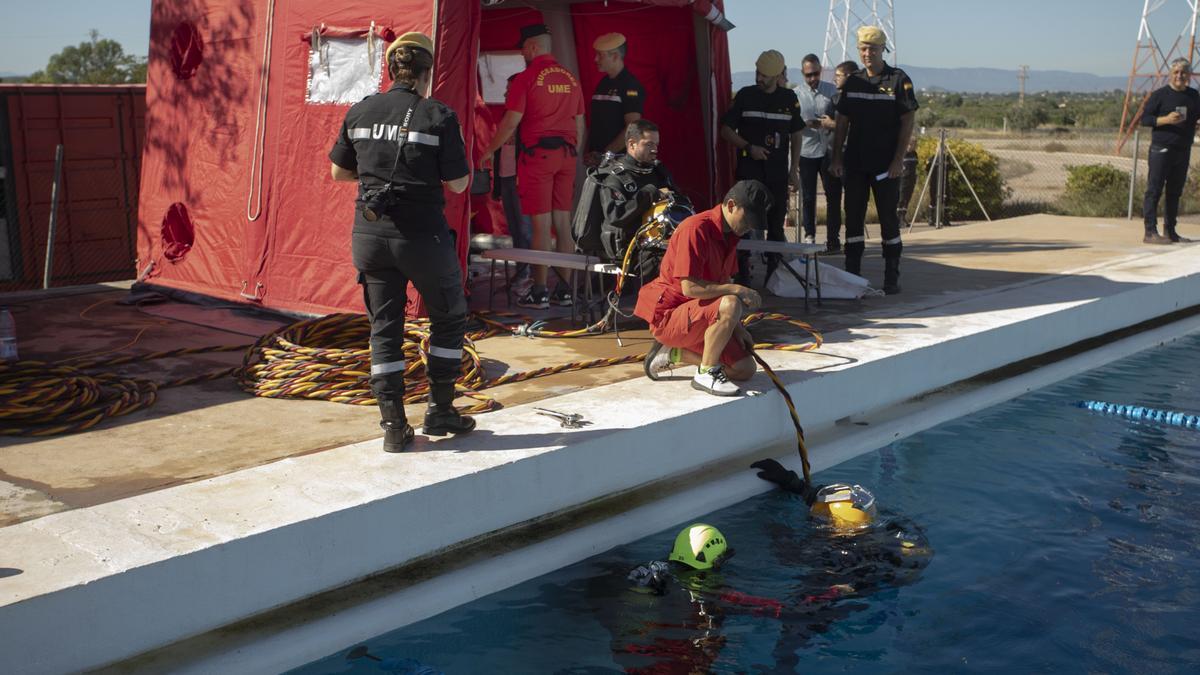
(594, 234)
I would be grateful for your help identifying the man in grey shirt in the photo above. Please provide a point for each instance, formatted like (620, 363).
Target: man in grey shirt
(817, 110)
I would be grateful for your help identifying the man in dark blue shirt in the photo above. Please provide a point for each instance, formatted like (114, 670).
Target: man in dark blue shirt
(1173, 112)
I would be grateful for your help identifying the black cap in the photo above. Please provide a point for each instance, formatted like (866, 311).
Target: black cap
(532, 30)
(754, 197)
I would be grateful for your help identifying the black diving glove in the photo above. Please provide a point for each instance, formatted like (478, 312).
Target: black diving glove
(650, 578)
(772, 471)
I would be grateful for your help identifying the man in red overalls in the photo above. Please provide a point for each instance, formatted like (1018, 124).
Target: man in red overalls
(546, 101)
(694, 312)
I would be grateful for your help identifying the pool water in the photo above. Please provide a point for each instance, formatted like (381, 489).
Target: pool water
(1057, 540)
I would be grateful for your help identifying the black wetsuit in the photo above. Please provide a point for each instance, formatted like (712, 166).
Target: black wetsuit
(681, 629)
(629, 188)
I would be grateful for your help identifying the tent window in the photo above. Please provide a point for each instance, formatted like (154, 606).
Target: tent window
(494, 70)
(344, 70)
(178, 233)
(187, 50)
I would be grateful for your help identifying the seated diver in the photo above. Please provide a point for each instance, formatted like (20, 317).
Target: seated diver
(629, 184)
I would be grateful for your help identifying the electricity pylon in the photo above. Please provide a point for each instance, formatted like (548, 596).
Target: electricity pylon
(845, 16)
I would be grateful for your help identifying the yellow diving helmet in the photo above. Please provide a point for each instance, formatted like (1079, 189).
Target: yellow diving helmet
(700, 547)
(844, 506)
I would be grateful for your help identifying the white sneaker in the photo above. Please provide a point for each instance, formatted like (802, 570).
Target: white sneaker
(715, 382)
(658, 361)
(810, 239)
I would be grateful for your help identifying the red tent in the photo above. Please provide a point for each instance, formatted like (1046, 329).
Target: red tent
(244, 99)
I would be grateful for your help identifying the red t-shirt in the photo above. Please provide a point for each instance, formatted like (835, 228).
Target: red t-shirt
(548, 97)
(700, 249)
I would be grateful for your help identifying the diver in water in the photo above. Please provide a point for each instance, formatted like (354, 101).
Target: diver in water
(673, 621)
(851, 550)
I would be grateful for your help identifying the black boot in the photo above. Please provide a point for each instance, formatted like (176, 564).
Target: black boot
(397, 432)
(441, 418)
(891, 276)
(854, 263)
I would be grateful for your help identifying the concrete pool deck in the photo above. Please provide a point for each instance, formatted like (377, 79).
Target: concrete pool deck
(213, 506)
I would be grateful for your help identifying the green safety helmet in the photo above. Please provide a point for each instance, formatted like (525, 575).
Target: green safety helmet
(700, 547)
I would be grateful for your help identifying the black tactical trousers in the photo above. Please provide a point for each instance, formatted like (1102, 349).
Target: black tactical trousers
(859, 185)
(776, 180)
(385, 267)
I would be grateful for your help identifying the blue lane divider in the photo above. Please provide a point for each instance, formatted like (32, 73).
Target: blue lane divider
(1137, 412)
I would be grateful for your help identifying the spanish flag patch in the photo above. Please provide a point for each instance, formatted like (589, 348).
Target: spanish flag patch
(908, 86)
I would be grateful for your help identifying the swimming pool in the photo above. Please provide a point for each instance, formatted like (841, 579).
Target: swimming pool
(1061, 540)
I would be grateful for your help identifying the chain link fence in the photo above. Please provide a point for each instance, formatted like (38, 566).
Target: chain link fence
(1035, 169)
(1024, 173)
(100, 130)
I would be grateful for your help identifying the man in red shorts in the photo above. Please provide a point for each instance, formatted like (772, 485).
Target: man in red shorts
(546, 101)
(694, 312)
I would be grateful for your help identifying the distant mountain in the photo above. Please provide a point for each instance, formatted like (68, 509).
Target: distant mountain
(985, 80)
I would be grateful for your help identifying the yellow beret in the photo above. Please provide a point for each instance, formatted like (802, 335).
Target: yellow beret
(608, 42)
(413, 39)
(871, 35)
(770, 63)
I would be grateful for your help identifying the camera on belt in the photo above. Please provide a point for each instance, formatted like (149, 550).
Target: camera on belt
(376, 201)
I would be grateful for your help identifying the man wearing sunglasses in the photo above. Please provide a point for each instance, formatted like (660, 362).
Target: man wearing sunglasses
(817, 108)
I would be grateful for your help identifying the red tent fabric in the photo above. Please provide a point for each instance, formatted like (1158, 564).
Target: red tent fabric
(236, 200)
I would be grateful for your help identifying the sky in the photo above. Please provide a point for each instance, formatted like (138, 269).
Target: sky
(1091, 36)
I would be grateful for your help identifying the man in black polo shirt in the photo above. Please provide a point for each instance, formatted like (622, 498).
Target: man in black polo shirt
(875, 122)
(402, 149)
(764, 124)
(1173, 112)
(617, 102)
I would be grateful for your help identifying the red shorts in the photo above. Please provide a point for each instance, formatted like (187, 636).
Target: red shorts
(684, 327)
(546, 180)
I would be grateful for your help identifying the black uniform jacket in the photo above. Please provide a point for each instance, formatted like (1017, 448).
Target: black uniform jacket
(875, 106)
(614, 97)
(374, 142)
(768, 121)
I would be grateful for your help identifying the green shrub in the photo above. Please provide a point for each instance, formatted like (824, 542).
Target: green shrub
(1097, 190)
(981, 167)
(1101, 190)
